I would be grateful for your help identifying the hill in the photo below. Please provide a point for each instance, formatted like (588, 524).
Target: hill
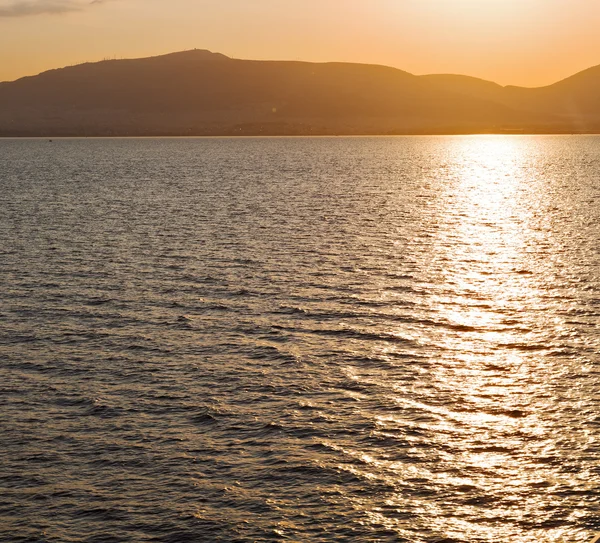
(202, 93)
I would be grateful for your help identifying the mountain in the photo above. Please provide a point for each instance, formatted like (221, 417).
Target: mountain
(202, 93)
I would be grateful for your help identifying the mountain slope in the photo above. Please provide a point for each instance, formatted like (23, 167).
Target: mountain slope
(576, 100)
(199, 92)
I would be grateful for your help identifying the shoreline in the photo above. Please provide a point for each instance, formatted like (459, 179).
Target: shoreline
(265, 136)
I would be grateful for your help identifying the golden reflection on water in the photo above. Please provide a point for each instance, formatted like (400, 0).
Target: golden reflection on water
(481, 256)
(486, 401)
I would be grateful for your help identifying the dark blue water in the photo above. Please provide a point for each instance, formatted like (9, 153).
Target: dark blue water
(328, 339)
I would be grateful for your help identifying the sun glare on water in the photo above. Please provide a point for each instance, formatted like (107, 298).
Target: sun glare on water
(484, 263)
(490, 386)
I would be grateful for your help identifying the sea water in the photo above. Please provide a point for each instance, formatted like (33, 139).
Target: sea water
(300, 339)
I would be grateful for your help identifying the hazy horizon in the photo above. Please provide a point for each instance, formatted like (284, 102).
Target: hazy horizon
(529, 43)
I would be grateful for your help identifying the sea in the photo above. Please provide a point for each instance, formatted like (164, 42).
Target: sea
(336, 339)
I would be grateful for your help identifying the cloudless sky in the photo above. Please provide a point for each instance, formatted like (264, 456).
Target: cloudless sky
(520, 42)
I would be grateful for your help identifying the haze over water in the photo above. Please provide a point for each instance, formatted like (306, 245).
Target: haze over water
(328, 339)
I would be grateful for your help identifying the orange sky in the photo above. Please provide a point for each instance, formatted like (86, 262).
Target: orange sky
(521, 42)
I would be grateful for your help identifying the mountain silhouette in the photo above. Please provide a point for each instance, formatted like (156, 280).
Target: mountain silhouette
(202, 93)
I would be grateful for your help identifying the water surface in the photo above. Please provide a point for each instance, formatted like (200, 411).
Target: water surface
(296, 339)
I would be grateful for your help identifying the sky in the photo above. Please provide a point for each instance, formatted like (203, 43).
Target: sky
(512, 42)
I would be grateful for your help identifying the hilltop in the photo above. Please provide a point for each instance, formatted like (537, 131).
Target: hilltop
(203, 93)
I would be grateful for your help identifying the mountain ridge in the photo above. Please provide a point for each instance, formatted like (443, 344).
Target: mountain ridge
(198, 92)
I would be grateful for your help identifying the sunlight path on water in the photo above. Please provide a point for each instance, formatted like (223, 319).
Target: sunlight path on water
(492, 392)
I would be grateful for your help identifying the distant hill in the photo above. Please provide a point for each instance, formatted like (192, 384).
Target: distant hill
(202, 93)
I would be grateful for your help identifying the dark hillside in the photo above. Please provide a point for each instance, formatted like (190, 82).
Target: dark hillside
(203, 93)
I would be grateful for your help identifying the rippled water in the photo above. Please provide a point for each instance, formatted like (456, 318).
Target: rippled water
(329, 339)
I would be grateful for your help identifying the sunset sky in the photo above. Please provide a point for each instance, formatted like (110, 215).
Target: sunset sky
(520, 42)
